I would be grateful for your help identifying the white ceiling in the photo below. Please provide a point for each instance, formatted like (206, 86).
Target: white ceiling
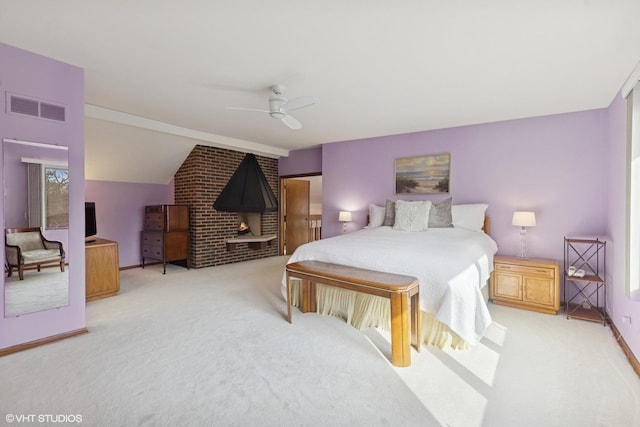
(158, 73)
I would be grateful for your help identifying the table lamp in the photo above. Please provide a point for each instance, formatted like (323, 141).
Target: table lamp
(523, 219)
(344, 217)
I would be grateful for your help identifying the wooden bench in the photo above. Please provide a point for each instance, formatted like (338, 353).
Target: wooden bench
(398, 288)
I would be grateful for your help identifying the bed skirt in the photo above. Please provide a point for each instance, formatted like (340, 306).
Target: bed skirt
(371, 311)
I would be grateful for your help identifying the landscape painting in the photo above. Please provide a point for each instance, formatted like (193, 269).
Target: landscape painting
(423, 174)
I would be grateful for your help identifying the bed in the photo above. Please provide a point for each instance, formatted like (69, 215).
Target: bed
(452, 264)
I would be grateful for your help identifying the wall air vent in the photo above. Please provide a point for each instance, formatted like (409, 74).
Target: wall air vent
(23, 106)
(35, 108)
(50, 111)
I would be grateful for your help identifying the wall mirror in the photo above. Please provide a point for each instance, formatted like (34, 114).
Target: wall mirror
(36, 196)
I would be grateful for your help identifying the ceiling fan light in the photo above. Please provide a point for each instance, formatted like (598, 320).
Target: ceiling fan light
(277, 115)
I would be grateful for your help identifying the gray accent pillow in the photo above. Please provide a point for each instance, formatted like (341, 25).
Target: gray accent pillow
(412, 216)
(390, 213)
(440, 214)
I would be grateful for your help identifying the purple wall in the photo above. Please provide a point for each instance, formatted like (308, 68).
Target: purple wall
(120, 213)
(551, 165)
(38, 77)
(301, 162)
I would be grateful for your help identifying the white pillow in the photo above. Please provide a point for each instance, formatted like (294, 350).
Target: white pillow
(470, 217)
(412, 216)
(376, 215)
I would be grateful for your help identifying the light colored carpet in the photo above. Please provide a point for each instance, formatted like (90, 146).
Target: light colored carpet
(40, 290)
(212, 347)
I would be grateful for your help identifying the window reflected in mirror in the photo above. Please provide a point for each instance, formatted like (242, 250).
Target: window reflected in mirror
(48, 190)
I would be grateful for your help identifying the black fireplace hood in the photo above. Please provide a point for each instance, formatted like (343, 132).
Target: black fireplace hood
(247, 190)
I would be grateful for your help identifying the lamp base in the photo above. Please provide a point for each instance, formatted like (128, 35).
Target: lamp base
(523, 244)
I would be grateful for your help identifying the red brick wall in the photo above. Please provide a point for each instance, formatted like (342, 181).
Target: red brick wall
(198, 183)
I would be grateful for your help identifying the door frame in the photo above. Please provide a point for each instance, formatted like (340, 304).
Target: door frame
(281, 203)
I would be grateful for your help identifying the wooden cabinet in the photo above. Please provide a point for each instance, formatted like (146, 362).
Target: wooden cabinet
(531, 284)
(166, 234)
(102, 269)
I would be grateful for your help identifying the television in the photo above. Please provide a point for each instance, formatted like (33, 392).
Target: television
(90, 229)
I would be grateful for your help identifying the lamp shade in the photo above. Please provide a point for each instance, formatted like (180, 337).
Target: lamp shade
(524, 219)
(344, 216)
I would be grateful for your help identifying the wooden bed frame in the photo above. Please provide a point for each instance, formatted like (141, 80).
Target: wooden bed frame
(486, 227)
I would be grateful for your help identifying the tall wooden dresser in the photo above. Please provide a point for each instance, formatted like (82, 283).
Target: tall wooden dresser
(166, 234)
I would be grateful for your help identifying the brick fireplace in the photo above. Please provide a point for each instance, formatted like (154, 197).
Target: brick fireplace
(198, 183)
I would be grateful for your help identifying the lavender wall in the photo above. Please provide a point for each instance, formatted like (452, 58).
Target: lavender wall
(551, 165)
(120, 213)
(38, 77)
(301, 162)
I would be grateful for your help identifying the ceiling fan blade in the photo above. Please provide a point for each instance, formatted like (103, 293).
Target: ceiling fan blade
(246, 109)
(292, 122)
(296, 103)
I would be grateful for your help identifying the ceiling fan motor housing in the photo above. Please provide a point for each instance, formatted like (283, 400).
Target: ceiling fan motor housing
(275, 103)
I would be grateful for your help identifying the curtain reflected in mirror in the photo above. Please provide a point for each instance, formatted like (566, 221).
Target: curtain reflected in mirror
(36, 225)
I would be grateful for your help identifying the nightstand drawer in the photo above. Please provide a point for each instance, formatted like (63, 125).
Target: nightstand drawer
(528, 271)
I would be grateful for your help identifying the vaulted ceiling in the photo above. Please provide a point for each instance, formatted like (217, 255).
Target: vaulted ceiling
(159, 74)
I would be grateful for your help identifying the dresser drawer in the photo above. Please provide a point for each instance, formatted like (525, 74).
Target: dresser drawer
(150, 251)
(154, 238)
(153, 221)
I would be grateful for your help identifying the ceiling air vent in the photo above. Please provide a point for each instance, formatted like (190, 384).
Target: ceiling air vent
(50, 111)
(35, 108)
(23, 106)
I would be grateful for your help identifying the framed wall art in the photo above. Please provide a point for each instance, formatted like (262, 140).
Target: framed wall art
(423, 174)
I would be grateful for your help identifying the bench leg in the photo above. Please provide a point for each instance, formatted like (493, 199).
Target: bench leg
(416, 324)
(400, 346)
(308, 296)
(288, 299)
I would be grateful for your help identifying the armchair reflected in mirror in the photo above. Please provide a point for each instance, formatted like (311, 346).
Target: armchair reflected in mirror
(36, 214)
(27, 247)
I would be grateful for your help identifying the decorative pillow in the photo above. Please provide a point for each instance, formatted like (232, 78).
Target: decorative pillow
(440, 214)
(390, 213)
(469, 216)
(412, 216)
(376, 215)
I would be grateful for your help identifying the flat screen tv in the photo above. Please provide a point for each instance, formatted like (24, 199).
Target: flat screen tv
(90, 229)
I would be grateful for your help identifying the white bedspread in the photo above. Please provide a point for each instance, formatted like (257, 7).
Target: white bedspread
(451, 264)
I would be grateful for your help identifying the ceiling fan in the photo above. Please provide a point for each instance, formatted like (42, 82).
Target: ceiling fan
(279, 106)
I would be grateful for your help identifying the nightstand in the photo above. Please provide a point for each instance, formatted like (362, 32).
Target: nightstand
(531, 283)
